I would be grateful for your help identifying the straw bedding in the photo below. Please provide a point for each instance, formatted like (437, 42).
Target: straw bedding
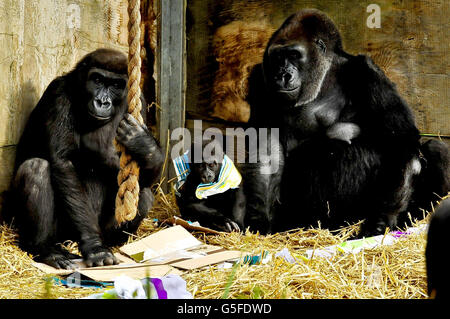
(238, 47)
(396, 271)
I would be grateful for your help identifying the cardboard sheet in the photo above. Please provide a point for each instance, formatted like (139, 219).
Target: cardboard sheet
(211, 259)
(161, 243)
(180, 255)
(167, 252)
(137, 272)
(51, 270)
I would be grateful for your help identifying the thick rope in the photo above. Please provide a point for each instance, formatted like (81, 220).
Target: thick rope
(127, 198)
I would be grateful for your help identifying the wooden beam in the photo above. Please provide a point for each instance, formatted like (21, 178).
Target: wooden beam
(171, 72)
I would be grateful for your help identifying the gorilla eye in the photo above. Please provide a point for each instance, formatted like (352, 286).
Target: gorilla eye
(277, 58)
(119, 85)
(294, 55)
(96, 78)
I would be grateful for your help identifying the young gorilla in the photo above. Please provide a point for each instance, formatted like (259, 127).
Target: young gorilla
(351, 148)
(66, 167)
(224, 211)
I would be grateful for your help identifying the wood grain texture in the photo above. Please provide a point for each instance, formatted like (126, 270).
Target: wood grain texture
(40, 40)
(171, 74)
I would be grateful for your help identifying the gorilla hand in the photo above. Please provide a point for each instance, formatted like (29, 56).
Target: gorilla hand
(231, 226)
(135, 137)
(223, 224)
(343, 131)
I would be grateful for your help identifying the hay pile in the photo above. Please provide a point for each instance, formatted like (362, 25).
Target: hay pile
(20, 280)
(396, 271)
(238, 47)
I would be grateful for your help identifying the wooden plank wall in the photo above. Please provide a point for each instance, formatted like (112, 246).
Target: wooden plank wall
(40, 40)
(411, 45)
(171, 73)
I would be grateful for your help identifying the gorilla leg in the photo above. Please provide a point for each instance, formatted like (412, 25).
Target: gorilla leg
(34, 194)
(257, 192)
(330, 181)
(434, 180)
(437, 155)
(334, 182)
(115, 234)
(394, 192)
(239, 207)
(261, 184)
(34, 201)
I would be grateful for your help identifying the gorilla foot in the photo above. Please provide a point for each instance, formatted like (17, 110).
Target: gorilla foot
(100, 257)
(58, 258)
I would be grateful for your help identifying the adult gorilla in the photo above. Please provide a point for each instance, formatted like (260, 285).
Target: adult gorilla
(351, 147)
(66, 167)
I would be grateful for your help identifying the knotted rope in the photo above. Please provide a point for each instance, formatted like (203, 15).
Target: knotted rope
(127, 198)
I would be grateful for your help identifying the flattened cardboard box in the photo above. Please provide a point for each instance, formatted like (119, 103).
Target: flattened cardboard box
(156, 255)
(176, 247)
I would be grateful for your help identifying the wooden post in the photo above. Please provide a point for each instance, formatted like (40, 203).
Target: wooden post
(171, 85)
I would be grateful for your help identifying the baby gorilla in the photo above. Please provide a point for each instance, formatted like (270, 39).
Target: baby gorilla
(224, 211)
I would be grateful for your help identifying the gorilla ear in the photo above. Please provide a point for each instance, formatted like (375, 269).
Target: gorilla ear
(322, 46)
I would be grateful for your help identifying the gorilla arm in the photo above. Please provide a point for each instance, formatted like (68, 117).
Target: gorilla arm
(142, 147)
(386, 119)
(198, 210)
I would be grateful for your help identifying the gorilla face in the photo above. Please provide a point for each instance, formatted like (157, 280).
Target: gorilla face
(208, 172)
(209, 169)
(295, 72)
(106, 92)
(285, 68)
(298, 57)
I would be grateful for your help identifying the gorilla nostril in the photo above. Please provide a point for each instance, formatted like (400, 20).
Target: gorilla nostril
(97, 103)
(100, 103)
(287, 77)
(209, 177)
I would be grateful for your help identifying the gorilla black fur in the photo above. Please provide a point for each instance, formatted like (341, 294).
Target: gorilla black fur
(349, 142)
(436, 262)
(66, 166)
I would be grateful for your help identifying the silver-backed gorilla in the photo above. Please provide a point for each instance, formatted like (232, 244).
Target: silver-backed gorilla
(348, 141)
